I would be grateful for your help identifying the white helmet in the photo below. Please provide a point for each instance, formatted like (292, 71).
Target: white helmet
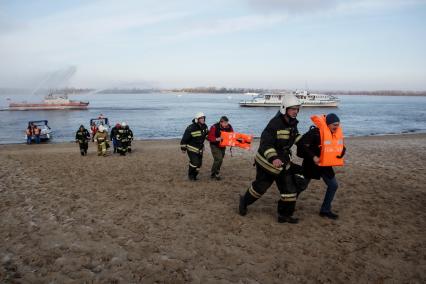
(199, 115)
(101, 128)
(289, 100)
(123, 124)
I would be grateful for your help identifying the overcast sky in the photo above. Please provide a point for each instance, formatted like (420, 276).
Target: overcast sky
(319, 44)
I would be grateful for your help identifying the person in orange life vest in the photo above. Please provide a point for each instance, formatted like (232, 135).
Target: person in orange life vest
(310, 145)
(218, 152)
(29, 134)
(36, 132)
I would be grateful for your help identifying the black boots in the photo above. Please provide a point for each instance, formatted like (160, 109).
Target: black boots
(329, 215)
(242, 209)
(215, 176)
(287, 219)
(192, 177)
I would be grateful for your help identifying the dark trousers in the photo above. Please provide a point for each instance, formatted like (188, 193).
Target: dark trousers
(218, 154)
(286, 187)
(83, 147)
(115, 144)
(122, 146)
(195, 162)
(332, 186)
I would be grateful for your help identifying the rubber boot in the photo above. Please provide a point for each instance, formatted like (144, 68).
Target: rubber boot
(285, 211)
(245, 201)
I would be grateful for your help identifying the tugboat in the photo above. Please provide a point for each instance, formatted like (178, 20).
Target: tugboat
(51, 102)
(307, 100)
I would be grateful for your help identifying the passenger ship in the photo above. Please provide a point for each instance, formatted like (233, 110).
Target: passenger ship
(307, 100)
(50, 102)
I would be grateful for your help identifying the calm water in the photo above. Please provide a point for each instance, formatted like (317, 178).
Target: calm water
(166, 115)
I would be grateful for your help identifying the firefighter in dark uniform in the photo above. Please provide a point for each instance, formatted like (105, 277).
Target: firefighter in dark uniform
(193, 143)
(273, 160)
(82, 137)
(130, 136)
(123, 139)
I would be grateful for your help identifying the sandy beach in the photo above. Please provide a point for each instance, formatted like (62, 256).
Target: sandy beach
(71, 219)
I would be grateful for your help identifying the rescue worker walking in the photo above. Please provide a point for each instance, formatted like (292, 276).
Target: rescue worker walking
(272, 161)
(101, 138)
(82, 137)
(130, 136)
(123, 139)
(310, 146)
(113, 136)
(193, 144)
(218, 152)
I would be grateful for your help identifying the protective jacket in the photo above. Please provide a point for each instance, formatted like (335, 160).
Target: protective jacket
(82, 136)
(194, 137)
(276, 141)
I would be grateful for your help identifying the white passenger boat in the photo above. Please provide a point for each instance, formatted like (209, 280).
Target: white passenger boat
(307, 100)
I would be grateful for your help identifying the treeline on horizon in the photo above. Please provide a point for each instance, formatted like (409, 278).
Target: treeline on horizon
(204, 90)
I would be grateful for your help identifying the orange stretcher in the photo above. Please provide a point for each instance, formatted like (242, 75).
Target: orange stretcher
(235, 139)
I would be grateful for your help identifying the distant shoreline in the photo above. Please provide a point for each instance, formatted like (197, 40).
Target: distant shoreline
(207, 90)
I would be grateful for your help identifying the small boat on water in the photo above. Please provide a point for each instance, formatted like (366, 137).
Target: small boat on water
(307, 99)
(45, 131)
(50, 102)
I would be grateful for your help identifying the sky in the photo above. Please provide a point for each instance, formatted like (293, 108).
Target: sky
(287, 44)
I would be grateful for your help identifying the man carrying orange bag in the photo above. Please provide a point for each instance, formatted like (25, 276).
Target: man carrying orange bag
(322, 148)
(218, 150)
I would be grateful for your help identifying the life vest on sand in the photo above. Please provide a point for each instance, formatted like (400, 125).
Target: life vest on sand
(331, 143)
(235, 139)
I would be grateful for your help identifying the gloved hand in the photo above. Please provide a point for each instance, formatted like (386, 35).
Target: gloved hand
(343, 153)
(183, 149)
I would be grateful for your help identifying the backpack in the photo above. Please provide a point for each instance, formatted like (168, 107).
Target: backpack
(300, 148)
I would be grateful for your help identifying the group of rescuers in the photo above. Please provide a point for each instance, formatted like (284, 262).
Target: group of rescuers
(121, 136)
(272, 160)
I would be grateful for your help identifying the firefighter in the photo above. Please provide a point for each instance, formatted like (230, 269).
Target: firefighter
(130, 136)
(123, 139)
(113, 136)
(193, 144)
(218, 152)
(82, 137)
(101, 137)
(272, 161)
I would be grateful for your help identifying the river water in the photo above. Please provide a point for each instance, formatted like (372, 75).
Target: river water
(166, 115)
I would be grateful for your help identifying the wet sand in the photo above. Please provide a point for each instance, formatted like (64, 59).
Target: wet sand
(71, 219)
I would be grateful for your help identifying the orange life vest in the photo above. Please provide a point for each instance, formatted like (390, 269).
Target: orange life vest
(235, 139)
(28, 132)
(331, 143)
